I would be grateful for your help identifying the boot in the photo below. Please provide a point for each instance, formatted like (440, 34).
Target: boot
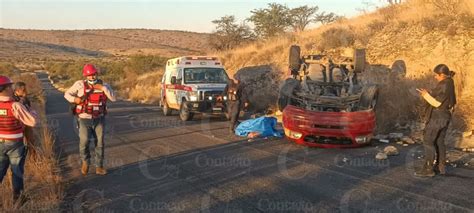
(426, 170)
(100, 171)
(442, 169)
(85, 168)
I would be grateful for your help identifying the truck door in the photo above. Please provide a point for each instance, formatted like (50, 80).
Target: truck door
(171, 97)
(180, 93)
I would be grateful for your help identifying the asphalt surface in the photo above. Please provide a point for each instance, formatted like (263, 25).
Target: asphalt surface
(160, 164)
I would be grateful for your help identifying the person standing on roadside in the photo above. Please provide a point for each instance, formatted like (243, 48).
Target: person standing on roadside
(234, 93)
(441, 100)
(13, 118)
(20, 95)
(90, 97)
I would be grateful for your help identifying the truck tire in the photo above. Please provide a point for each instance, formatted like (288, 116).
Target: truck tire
(184, 113)
(400, 67)
(286, 92)
(294, 60)
(368, 98)
(167, 111)
(359, 60)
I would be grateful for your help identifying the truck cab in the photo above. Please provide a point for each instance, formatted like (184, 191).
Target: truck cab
(193, 84)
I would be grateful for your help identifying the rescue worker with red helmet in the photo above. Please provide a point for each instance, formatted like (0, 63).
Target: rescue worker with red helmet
(13, 118)
(90, 97)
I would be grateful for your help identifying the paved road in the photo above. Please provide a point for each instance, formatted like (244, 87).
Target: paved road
(159, 164)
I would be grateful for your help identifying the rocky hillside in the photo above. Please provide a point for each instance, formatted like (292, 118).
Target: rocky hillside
(422, 34)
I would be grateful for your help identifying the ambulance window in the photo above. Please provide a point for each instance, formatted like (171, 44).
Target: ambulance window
(204, 75)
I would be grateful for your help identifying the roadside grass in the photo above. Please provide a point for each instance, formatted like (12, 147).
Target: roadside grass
(43, 182)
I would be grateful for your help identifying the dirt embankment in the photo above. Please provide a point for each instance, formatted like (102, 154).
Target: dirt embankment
(33, 45)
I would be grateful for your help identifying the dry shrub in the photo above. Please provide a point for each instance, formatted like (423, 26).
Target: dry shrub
(465, 20)
(336, 37)
(398, 102)
(447, 7)
(402, 24)
(376, 26)
(429, 24)
(389, 13)
(147, 88)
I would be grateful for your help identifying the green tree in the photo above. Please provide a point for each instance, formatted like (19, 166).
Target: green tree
(229, 34)
(271, 21)
(301, 17)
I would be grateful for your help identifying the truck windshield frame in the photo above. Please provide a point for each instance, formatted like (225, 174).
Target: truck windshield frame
(205, 75)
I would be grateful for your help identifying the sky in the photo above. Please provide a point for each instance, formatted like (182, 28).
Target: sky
(186, 15)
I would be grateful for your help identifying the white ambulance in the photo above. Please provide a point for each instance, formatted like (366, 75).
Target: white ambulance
(193, 84)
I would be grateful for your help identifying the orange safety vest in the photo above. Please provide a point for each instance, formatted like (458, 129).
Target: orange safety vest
(95, 104)
(10, 127)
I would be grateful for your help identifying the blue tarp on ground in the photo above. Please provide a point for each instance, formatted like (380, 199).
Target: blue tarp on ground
(263, 125)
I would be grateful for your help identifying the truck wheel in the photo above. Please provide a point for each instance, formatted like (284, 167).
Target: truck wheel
(286, 92)
(167, 111)
(359, 60)
(295, 57)
(184, 112)
(400, 67)
(368, 98)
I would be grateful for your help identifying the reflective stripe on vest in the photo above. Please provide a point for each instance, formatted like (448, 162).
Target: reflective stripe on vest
(10, 127)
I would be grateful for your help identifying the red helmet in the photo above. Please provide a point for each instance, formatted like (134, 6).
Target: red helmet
(4, 80)
(88, 70)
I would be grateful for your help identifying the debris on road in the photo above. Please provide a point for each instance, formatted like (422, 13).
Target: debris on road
(408, 140)
(381, 156)
(395, 135)
(468, 150)
(391, 151)
(384, 140)
(405, 144)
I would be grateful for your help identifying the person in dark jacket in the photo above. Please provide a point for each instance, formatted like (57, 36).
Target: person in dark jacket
(20, 94)
(234, 93)
(441, 100)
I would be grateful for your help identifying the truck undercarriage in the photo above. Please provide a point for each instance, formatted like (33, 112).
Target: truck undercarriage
(324, 104)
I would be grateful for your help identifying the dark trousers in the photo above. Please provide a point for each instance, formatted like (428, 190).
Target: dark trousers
(434, 145)
(13, 154)
(233, 108)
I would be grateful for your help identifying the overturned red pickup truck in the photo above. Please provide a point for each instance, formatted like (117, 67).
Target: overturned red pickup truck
(324, 104)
